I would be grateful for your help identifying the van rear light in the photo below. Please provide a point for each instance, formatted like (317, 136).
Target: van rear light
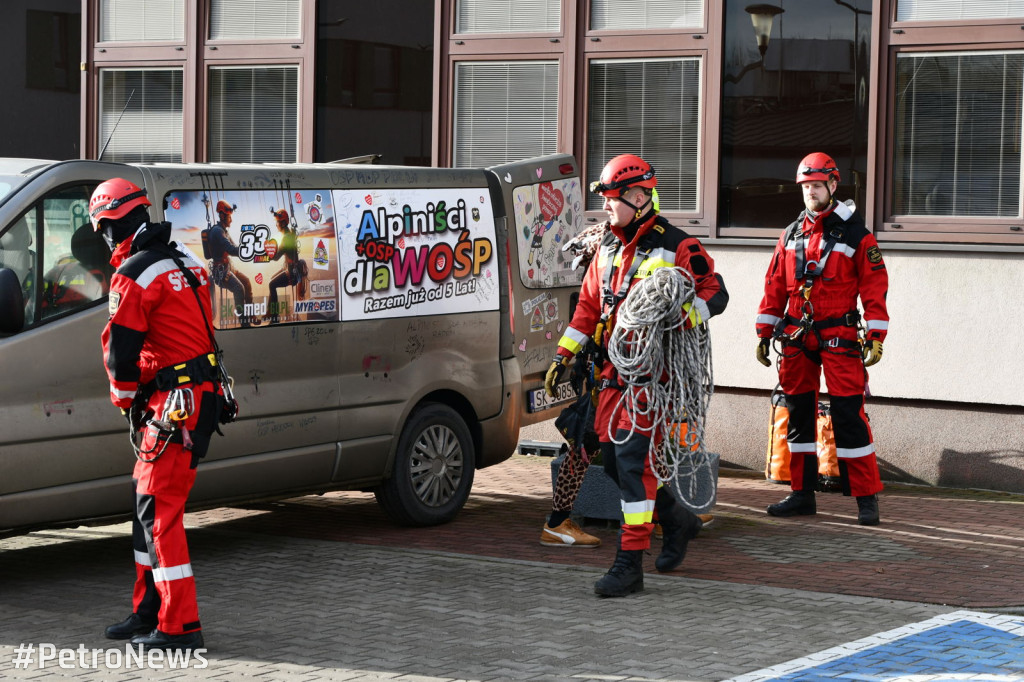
(566, 169)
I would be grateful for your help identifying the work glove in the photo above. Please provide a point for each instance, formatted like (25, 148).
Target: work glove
(762, 352)
(555, 373)
(693, 318)
(872, 352)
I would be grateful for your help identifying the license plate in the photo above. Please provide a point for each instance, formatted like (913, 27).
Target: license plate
(538, 399)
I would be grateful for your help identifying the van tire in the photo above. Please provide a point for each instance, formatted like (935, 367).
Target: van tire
(433, 471)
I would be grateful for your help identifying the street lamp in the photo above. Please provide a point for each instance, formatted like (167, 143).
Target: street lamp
(762, 16)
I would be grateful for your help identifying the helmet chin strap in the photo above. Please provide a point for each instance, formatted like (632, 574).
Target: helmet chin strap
(638, 211)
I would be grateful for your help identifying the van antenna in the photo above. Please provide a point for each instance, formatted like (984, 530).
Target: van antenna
(111, 135)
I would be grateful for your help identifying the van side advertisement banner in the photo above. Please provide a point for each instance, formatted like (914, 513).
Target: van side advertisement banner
(271, 254)
(407, 252)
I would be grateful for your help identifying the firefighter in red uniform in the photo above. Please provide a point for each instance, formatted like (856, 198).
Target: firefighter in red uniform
(822, 262)
(638, 242)
(160, 357)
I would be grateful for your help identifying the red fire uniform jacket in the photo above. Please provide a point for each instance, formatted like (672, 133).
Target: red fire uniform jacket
(669, 247)
(153, 314)
(854, 267)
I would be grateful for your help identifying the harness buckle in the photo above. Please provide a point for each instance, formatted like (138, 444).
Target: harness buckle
(833, 342)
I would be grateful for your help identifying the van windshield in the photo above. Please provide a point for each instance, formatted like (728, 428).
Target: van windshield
(14, 173)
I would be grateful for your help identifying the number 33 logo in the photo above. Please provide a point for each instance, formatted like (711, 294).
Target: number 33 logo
(253, 242)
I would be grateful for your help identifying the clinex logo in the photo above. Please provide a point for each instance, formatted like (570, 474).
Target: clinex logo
(322, 288)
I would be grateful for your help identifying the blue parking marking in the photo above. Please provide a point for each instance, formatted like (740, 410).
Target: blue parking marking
(962, 645)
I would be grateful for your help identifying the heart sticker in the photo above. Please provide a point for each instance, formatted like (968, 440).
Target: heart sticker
(368, 199)
(551, 201)
(522, 346)
(508, 177)
(540, 172)
(548, 336)
(270, 247)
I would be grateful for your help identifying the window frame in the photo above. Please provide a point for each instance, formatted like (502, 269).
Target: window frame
(203, 130)
(194, 55)
(689, 217)
(666, 43)
(503, 59)
(933, 38)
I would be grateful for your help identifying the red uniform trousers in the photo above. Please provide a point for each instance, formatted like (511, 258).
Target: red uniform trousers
(628, 464)
(164, 587)
(845, 376)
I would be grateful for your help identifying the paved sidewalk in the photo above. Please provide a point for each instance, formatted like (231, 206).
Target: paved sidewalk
(327, 588)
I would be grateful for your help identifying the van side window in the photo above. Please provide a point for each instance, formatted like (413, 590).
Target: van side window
(17, 254)
(75, 261)
(55, 238)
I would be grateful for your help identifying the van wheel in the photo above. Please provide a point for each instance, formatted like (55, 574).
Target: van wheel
(433, 470)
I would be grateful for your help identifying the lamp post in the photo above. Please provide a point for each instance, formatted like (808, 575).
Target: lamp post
(762, 17)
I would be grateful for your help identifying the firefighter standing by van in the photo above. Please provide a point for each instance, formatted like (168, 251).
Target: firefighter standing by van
(638, 242)
(161, 360)
(822, 262)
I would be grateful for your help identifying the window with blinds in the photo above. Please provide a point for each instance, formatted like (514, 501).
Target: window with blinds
(253, 114)
(957, 134)
(255, 19)
(645, 14)
(660, 122)
(508, 16)
(140, 20)
(504, 111)
(140, 115)
(937, 10)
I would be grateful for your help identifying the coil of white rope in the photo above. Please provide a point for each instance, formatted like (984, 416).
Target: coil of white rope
(666, 370)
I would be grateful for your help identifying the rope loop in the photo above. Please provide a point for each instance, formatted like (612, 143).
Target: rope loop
(666, 371)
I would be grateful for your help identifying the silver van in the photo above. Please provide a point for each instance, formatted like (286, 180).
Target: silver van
(387, 328)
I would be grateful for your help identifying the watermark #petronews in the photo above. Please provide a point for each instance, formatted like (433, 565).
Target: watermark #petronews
(32, 656)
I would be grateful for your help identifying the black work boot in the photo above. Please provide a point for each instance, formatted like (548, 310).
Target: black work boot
(797, 503)
(626, 575)
(129, 627)
(679, 525)
(158, 639)
(867, 510)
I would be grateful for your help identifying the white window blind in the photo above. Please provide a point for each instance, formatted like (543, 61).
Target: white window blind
(253, 114)
(658, 120)
(504, 111)
(150, 128)
(643, 14)
(508, 16)
(255, 19)
(135, 20)
(936, 10)
(957, 136)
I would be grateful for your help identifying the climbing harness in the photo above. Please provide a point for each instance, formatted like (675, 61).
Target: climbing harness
(807, 272)
(666, 376)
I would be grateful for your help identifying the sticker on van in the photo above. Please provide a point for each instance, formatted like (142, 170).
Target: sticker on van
(271, 257)
(411, 252)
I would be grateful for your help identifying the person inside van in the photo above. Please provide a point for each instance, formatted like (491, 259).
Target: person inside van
(161, 359)
(637, 242)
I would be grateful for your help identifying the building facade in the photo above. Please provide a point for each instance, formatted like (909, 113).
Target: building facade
(921, 102)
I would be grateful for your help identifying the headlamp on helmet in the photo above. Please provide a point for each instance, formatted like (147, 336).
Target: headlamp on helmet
(622, 172)
(817, 166)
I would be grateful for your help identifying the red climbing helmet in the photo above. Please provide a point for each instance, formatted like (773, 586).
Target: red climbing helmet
(114, 199)
(622, 172)
(817, 166)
